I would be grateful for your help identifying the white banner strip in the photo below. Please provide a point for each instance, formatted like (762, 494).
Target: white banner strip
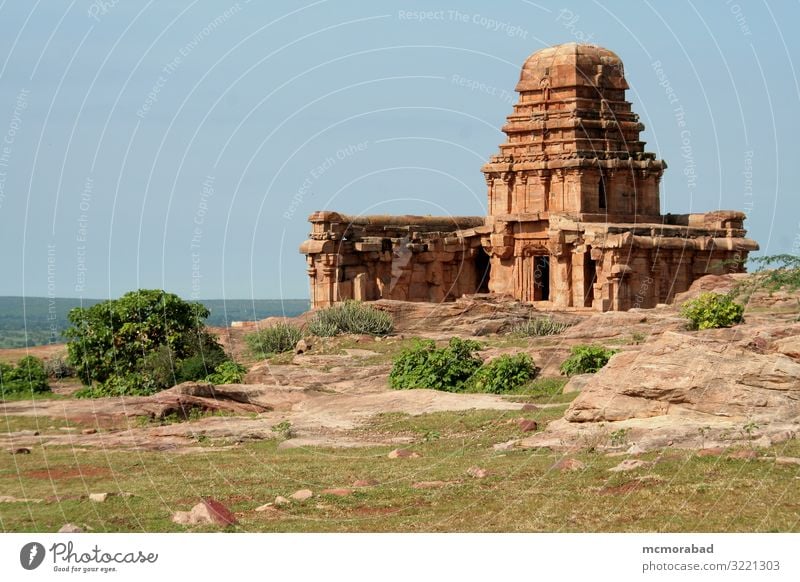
(354, 557)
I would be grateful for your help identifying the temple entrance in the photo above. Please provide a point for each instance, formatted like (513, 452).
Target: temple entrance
(483, 268)
(541, 278)
(589, 274)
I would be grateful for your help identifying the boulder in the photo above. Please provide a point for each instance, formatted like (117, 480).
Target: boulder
(302, 495)
(208, 511)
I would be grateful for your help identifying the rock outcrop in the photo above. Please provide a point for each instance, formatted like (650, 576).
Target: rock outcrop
(687, 389)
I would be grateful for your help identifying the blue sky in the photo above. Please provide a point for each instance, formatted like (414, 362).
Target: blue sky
(182, 144)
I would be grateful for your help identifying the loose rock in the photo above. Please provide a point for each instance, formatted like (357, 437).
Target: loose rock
(208, 511)
(629, 465)
(281, 500)
(70, 528)
(526, 425)
(477, 472)
(98, 497)
(403, 454)
(302, 495)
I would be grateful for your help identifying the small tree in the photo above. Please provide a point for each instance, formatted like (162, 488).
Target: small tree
(138, 341)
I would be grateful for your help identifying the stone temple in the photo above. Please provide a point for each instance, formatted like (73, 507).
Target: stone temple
(574, 212)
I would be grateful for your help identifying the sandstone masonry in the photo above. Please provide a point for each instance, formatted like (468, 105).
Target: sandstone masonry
(574, 212)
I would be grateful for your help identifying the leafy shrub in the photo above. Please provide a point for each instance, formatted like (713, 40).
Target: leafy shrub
(423, 365)
(503, 374)
(111, 338)
(57, 368)
(538, 326)
(586, 359)
(128, 385)
(28, 376)
(712, 310)
(276, 339)
(350, 317)
(229, 372)
(784, 274)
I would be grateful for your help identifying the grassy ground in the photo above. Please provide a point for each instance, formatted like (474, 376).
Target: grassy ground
(679, 492)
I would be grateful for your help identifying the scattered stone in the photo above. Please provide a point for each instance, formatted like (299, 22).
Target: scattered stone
(208, 511)
(568, 464)
(403, 454)
(302, 495)
(270, 507)
(710, 452)
(281, 500)
(528, 407)
(744, 454)
(787, 461)
(70, 528)
(301, 347)
(477, 472)
(526, 425)
(629, 465)
(364, 483)
(98, 497)
(337, 492)
(506, 446)
(20, 451)
(429, 484)
(635, 450)
(11, 499)
(89, 431)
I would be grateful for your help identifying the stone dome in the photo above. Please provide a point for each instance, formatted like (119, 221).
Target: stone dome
(571, 65)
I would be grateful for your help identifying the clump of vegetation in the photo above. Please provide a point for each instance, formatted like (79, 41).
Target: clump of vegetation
(712, 310)
(276, 339)
(58, 369)
(229, 372)
(586, 359)
(774, 272)
(503, 374)
(350, 317)
(538, 326)
(423, 365)
(283, 429)
(27, 377)
(143, 342)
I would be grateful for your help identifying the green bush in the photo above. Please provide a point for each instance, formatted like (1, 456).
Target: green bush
(27, 377)
(128, 385)
(503, 374)
(423, 365)
(276, 339)
(712, 310)
(538, 326)
(229, 372)
(111, 338)
(350, 317)
(586, 359)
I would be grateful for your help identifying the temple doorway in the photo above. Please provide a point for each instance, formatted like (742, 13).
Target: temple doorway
(541, 278)
(483, 268)
(589, 274)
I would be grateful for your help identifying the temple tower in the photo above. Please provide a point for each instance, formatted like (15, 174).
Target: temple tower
(573, 142)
